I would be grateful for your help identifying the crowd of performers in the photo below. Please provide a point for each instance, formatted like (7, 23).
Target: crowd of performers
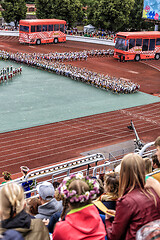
(48, 63)
(8, 73)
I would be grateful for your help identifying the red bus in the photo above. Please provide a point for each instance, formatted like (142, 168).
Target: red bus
(37, 31)
(137, 45)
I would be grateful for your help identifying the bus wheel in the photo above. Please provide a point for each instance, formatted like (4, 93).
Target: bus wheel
(55, 40)
(38, 42)
(157, 56)
(137, 58)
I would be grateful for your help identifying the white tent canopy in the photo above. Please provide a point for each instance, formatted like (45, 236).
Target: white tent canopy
(89, 28)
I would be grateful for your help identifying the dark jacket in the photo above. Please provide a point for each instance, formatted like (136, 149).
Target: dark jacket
(133, 210)
(12, 235)
(29, 228)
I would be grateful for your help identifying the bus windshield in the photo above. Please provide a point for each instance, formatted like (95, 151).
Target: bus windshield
(24, 28)
(120, 44)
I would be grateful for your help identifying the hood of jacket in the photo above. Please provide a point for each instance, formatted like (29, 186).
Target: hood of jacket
(21, 220)
(49, 208)
(87, 220)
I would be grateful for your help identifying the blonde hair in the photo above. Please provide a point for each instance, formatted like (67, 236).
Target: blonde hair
(132, 173)
(148, 165)
(11, 200)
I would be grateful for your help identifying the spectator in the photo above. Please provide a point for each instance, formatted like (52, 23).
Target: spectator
(148, 165)
(136, 205)
(6, 176)
(110, 195)
(28, 184)
(155, 163)
(157, 144)
(83, 220)
(14, 217)
(49, 205)
(32, 205)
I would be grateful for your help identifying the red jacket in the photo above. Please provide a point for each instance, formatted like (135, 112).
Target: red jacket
(133, 211)
(83, 223)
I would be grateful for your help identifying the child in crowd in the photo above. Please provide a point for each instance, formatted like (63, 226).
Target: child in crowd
(137, 205)
(14, 217)
(110, 195)
(32, 205)
(83, 220)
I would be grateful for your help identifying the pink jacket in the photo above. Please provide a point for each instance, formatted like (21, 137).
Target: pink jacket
(83, 223)
(133, 211)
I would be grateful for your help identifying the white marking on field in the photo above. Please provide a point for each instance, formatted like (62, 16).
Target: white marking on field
(32, 46)
(1, 45)
(127, 112)
(153, 66)
(133, 72)
(127, 79)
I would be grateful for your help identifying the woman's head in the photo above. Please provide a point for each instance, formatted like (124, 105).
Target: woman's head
(78, 190)
(132, 173)
(111, 184)
(11, 200)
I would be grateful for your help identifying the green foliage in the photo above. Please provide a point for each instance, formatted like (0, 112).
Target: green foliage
(44, 8)
(14, 10)
(69, 10)
(110, 14)
(136, 22)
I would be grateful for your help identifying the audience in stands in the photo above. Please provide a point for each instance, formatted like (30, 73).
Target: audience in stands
(157, 144)
(49, 205)
(155, 163)
(83, 220)
(28, 184)
(13, 215)
(137, 205)
(6, 176)
(32, 205)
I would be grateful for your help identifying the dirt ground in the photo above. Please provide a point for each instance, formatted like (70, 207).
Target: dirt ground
(146, 73)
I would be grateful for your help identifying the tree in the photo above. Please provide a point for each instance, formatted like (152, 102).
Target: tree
(44, 9)
(69, 10)
(136, 22)
(13, 10)
(110, 14)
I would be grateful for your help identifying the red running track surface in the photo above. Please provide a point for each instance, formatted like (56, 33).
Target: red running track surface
(52, 143)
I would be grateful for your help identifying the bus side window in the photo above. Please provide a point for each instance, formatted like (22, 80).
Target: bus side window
(50, 27)
(62, 27)
(44, 28)
(33, 28)
(145, 45)
(139, 42)
(56, 27)
(152, 44)
(38, 28)
(131, 43)
(158, 41)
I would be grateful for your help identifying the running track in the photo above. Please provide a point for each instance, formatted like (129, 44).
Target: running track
(51, 143)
